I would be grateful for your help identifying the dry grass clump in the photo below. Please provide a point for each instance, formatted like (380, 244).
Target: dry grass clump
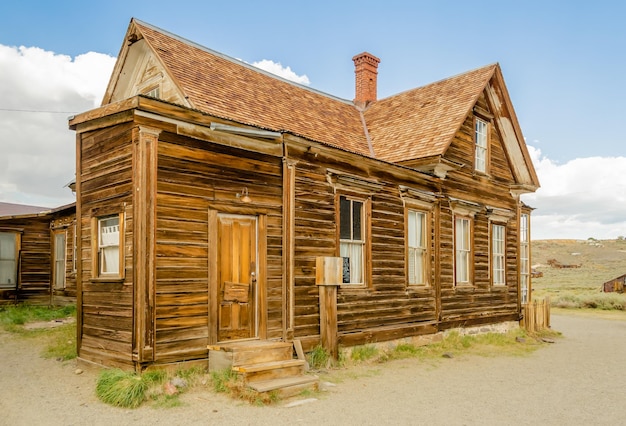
(229, 382)
(603, 301)
(128, 389)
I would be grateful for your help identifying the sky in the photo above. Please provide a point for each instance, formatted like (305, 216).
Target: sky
(563, 62)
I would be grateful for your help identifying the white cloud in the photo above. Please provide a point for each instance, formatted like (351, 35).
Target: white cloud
(39, 90)
(284, 72)
(583, 198)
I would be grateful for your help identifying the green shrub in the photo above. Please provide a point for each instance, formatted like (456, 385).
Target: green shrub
(121, 388)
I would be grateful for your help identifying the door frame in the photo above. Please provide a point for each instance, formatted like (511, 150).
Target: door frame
(213, 284)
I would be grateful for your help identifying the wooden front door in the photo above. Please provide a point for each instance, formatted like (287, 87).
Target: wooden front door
(237, 258)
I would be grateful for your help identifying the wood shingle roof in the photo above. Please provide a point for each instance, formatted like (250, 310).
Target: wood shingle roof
(417, 124)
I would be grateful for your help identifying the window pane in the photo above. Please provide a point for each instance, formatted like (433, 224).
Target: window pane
(352, 253)
(462, 249)
(357, 216)
(59, 260)
(413, 237)
(344, 219)
(481, 145)
(110, 260)
(8, 264)
(109, 245)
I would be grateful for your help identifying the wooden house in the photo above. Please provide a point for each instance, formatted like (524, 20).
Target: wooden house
(37, 254)
(208, 191)
(616, 285)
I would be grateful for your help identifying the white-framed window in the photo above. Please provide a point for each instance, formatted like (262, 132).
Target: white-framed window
(352, 229)
(153, 92)
(9, 247)
(524, 257)
(417, 242)
(498, 247)
(462, 250)
(109, 242)
(481, 129)
(58, 251)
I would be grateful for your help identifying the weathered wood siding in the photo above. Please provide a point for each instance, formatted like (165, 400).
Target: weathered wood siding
(34, 267)
(193, 177)
(480, 302)
(386, 308)
(105, 184)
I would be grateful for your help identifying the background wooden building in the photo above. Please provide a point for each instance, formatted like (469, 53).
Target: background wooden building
(37, 257)
(207, 189)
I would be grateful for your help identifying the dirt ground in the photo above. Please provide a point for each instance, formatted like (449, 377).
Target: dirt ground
(579, 380)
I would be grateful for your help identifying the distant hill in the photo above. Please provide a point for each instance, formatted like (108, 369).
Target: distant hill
(599, 260)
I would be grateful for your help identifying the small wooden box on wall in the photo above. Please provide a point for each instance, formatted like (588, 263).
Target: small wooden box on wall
(328, 270)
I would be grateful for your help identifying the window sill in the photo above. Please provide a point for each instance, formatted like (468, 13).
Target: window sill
(464, 287)
(348, 287)
(104, 280)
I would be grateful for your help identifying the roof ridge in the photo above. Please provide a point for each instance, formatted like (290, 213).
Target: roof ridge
(238, 61)
(493, 65)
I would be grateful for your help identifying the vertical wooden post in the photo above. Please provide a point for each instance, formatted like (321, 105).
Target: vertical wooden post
(289, 196)
(79, 247)
(328, 276)
(145, 142)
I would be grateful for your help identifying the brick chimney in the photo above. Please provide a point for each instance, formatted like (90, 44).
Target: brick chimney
(366, 74)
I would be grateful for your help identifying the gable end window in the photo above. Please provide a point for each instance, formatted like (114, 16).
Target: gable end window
(481, 141)
(352, 239)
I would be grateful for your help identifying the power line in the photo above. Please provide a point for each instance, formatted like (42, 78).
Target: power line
(38, 111)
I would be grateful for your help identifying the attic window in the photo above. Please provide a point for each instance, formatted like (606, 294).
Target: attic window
(481, 146)
(153, 92)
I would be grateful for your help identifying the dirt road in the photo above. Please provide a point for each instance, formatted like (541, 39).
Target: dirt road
(579, 380)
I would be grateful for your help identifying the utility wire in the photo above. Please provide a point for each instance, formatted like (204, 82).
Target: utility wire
(38, 111)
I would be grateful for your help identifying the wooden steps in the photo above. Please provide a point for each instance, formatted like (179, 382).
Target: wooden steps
(265, 366)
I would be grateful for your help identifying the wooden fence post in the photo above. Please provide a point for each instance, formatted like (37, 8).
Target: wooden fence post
(328, 274)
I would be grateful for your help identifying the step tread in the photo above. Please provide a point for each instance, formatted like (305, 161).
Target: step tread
(248, 345)
(284, 382)
(271, 365)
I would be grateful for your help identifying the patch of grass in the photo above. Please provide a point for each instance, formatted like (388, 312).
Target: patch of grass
(14, 316)
(121, 388)
(514, 343)
(602, 301)
(364, 353)
(129, 390)
(60, 343)
(319, 358)
(229, 382)
(166, 401)
(223, 380)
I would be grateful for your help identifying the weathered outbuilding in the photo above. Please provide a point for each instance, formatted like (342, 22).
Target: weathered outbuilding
(208, 189)
(37, 257)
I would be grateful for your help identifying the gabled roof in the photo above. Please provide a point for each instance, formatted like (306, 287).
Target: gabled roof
(412, 125)
(422, 122)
